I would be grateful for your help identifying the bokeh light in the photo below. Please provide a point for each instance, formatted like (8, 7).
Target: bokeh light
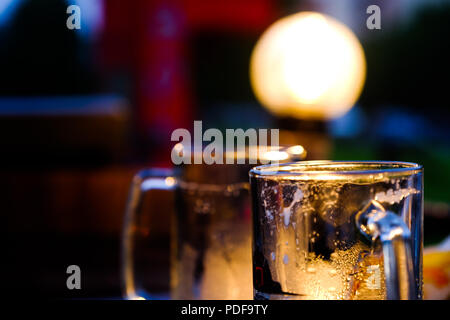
(308, 66)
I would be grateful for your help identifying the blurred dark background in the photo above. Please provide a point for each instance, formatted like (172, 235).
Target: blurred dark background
(82, 110)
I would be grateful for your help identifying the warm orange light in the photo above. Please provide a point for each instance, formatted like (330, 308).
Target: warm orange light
(170, 182)
(308, 66)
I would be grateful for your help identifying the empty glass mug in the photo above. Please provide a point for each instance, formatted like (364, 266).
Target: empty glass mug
(337, 230)
(211, 229)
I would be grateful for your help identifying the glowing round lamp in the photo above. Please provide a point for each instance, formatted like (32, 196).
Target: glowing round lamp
(308, 66)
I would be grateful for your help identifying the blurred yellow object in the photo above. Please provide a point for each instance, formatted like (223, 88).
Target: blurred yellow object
(436, 274)
(308, 66)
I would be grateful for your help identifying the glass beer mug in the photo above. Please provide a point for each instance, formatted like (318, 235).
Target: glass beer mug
(337, 230)
(211, 229)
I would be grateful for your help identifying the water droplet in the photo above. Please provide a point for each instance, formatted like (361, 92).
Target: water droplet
(311, 269)
(272, 256)
(285, 259)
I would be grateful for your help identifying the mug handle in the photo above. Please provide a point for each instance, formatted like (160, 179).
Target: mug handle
(144, 181)
(377, 223)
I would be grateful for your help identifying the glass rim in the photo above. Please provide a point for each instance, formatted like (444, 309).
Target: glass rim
(303, 168)
(264, 152)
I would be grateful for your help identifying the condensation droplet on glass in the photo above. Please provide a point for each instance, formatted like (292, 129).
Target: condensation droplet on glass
(311, 269)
